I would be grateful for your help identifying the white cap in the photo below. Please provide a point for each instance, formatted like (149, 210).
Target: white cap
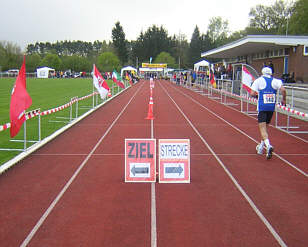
(267, 71)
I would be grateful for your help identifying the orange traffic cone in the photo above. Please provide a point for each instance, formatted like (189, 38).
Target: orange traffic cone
(109, 94)
(150, 111)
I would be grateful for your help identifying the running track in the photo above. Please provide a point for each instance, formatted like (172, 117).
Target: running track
(71, 192)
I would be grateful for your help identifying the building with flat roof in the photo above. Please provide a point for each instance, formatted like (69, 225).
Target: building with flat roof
(288, 54)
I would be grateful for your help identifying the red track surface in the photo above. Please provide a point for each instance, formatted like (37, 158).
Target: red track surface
(98, 209)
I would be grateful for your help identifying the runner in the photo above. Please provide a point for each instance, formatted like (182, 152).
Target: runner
(266, 87)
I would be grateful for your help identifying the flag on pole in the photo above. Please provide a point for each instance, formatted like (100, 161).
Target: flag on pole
(99, 82)
(212, 79)
(20, 101)
(128, 77)
(247, 79)
(117, 79)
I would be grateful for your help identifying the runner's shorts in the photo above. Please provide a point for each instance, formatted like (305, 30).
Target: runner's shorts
(265, 116)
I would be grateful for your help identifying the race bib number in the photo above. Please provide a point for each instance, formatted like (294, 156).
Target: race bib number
(269, 98)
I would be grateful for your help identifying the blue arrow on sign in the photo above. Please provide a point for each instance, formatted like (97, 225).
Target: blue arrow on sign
(139, 170)
(174, 169)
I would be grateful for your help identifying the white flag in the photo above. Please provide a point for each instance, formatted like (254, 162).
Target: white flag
(247, 79)
(99, 82)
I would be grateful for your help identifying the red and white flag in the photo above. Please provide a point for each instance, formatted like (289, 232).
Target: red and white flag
(99, 83)
(20, 101)
(247, 79)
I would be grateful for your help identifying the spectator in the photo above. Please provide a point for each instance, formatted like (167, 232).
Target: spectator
(271, 65)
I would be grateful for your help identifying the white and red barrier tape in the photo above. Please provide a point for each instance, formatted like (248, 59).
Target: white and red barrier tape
(32, 114)
(254, 100)
(35, 113)
(59, 108)
(284, 108)
(5, 126)
(295, 112)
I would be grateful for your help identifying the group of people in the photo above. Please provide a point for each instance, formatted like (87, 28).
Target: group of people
(180, 78)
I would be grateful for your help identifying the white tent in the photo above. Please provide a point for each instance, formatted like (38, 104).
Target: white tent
(44, 72)
(128, 68)
(202, 63)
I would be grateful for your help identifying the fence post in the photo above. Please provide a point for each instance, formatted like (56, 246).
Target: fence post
(25, 135)
(77, 100)
(39, 126)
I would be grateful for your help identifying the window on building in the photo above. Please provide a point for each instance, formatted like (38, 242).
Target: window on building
(305, 50)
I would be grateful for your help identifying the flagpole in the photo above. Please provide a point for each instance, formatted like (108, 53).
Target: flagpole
(93, 88)
(25, 133)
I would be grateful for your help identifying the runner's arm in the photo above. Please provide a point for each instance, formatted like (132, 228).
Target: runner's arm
(254, 89)
(254, 94)
(283, 92)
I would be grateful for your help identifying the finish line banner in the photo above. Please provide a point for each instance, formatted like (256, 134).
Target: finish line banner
(140, 160)
(174, 160)
(154, 65)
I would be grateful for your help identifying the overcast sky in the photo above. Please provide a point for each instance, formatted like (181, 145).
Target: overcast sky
(28, 21)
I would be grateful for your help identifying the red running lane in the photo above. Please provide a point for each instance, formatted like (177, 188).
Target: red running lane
(99, 209)
(209, 211)
(279, 191)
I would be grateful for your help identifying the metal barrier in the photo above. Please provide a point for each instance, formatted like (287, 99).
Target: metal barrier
(293, 94)
(297, 108)
(28, 115)
(37, 113)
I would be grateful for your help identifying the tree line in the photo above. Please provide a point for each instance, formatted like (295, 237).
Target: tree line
(283, 18)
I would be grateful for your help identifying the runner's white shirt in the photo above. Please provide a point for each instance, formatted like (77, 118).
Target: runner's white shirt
(260, 84)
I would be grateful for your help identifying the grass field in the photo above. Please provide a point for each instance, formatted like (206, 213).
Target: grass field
(46, 94)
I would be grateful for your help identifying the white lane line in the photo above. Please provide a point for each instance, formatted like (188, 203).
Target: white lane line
(237, 185)
(242, 132)
(122, 154)
(153, 204)
(59, 196)
(153, 217)
(62, 154)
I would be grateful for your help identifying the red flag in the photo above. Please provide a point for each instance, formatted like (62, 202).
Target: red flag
(212, 79)
(20, 101)
(99, 82)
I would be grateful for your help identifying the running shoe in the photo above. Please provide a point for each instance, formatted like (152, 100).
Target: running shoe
(259, 149)
(269, 152)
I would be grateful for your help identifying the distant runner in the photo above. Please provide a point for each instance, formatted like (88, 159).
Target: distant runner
(266, 88)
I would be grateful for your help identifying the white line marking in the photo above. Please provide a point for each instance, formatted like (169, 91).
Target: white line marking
(61, 154)
(153, 204)
(242, 191)
(122, 154)
(59, 196)
(153, 217)
(242, 132)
